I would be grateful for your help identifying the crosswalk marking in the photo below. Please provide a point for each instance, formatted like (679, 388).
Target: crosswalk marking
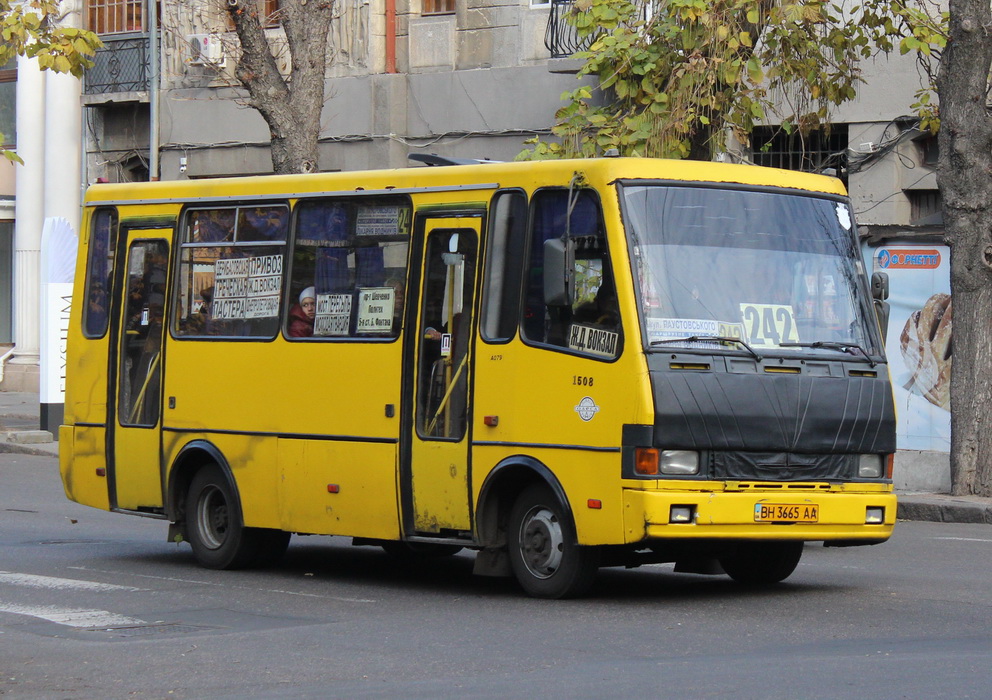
(72, 617)
(54, 583)
(227, 584)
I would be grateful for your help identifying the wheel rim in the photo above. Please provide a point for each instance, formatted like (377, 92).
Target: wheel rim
(211, 517)
(541, 542)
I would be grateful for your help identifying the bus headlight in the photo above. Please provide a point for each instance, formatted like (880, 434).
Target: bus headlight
(870, 466)
(679, 462)
(650, 461)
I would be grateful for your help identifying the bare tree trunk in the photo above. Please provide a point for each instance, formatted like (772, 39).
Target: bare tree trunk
(965, 179)
(291, 106)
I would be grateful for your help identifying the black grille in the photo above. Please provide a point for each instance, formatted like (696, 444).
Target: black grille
(120, 66)
(783, 466)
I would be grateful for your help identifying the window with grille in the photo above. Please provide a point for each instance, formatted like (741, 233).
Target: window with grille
(924, 206)
(438, 7)
(115, 16)
(813, 153)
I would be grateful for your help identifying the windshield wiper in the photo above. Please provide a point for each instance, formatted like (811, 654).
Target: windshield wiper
(832, 345)
(709, 338)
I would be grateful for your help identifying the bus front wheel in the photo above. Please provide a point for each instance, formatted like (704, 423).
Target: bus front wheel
(762, 563)
(216, 532)
(544, 555)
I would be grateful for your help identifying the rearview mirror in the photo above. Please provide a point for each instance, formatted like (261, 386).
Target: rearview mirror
(879, 286)
(879, 293)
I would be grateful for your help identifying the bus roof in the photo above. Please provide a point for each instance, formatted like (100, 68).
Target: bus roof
(527, 174)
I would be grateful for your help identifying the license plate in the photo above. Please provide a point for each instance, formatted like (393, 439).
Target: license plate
(786, 513)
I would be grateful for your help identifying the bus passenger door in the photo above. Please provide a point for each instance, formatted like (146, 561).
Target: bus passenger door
(436, 478)
(134, 463)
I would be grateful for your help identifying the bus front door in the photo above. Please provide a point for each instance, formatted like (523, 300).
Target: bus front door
(437, 479)
(134, 460)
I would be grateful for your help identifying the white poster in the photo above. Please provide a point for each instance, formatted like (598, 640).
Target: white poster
(918, 344)
(333, 315)
(375, 309)
(56, 301)
(58, 269)
(247, 287)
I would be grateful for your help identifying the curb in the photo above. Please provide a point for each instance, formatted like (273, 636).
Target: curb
(941, 508)
(49, 449)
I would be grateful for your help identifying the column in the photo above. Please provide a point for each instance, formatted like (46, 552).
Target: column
(21, 372)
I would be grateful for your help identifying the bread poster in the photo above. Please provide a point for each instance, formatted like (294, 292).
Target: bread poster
(918, 344)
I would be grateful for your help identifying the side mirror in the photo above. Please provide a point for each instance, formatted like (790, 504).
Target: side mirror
(879, 293)
(879, 286)
(559, 272)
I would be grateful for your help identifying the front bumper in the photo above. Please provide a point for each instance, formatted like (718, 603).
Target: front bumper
(730, 514)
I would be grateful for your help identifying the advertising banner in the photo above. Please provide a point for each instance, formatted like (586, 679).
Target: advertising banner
(918, 344)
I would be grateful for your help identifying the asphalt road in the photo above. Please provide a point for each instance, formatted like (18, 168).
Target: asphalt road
(98, 605)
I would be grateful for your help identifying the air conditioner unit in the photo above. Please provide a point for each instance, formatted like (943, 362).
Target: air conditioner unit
(205, 50)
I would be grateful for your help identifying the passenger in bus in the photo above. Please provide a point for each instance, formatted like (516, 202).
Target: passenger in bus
(96, 313)
(199, 322)
(302, 315)
(207, 295)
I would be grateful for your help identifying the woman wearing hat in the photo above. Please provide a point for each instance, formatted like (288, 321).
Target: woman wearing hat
(302, 314)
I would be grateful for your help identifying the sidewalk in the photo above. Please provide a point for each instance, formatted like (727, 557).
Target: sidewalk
(19, 432)
(19, 425)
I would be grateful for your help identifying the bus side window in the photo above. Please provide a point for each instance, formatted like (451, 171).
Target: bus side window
(138, 397)
(504, 251)
(350, 258)
(231, 271)
(591, 324)
(99, 266)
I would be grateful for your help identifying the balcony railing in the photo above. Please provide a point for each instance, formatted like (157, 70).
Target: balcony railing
(120, 66)
(561, 37)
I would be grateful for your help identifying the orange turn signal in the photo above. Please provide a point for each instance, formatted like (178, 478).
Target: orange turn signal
(646, 461)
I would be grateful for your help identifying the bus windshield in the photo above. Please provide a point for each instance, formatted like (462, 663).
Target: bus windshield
(747, 270)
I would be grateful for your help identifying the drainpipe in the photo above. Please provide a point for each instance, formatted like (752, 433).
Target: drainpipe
(153, 95)
(390, 36)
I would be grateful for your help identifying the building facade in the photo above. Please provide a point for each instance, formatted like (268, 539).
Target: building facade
(469, 79)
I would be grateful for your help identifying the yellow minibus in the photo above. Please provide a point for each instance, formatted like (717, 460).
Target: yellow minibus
(560, 365)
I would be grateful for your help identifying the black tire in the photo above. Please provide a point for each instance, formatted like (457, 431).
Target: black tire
(762, 563)
(544, 555)
(419, 551)
(216, 531)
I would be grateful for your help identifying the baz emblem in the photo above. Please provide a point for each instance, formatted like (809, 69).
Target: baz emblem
(586, 409)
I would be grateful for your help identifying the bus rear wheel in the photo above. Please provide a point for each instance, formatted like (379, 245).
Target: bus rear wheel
(762, 563)
(544, 555)
(215, 529)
